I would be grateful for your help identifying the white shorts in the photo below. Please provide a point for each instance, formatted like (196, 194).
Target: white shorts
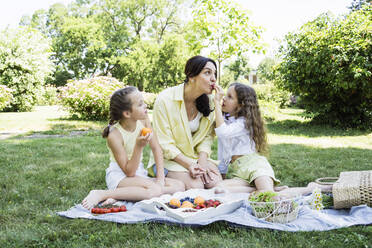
(114, 174)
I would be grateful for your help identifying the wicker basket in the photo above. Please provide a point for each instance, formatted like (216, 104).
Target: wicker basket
(352, 188)
(283, 211)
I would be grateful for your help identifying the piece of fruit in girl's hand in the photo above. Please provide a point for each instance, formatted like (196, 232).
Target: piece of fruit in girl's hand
(145, 131)
(175, 202)
(187, 204)
(199, 200)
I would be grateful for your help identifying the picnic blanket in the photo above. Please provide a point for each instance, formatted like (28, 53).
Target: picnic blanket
(308, 219)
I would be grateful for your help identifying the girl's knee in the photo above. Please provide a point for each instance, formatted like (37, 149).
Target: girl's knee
(179, 186)
(153, 191)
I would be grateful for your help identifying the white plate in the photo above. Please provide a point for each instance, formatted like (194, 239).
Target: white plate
(226, 206)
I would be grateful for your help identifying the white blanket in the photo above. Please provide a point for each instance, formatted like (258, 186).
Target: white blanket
(308, 219)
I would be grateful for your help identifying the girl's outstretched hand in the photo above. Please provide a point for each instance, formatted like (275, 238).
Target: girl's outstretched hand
(218, 95)
(142, 141)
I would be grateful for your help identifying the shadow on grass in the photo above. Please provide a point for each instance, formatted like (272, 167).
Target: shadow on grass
(310, 129)
(297, 165)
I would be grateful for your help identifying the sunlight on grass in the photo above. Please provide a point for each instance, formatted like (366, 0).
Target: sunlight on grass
(49, 119)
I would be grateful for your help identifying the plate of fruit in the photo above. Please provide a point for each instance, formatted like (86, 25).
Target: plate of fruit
(189, 209)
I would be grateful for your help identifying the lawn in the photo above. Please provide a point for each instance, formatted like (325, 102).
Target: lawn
(41, 175)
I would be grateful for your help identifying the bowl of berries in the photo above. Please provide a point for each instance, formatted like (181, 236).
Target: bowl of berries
(191, 208)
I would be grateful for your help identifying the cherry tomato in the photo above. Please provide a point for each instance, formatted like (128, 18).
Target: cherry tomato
(115, 210)
(123, 208)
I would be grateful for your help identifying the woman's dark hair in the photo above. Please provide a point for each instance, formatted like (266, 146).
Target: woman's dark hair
(119, 102)
(250, 110)
(193, 67)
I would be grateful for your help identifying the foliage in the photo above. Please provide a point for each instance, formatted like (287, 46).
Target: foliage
(89, 99)
(24, 65)
(359, 4)
(239, 67)
(97, 37)
(225, 28)
(328, 64)
(48, 95)
(267, 196)
(227, 78)
(270, 93)
(149, 99)
(265, 70)
(5, 96)
(153, 67)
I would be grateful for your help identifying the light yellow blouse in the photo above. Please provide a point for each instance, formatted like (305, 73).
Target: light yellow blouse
(129, 139)
(171, 125)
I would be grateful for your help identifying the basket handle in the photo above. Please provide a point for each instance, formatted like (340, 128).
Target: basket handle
(326, 180)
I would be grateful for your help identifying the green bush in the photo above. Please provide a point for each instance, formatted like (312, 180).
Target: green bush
(328, 64)
(270, 93)
(89, 98)
(149, 99)
(48, 95)
(5, 96)
(24, 65)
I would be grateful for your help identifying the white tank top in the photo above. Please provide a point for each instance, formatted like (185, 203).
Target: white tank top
(194, 124)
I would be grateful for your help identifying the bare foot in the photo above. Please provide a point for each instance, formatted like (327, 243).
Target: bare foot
(93, 198)
(280, 188)
(109, 201)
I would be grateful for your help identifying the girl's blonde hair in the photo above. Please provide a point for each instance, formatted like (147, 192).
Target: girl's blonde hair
(249, 108)
(119, 102)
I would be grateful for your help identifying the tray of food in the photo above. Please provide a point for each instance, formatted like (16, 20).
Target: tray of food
(191, 208)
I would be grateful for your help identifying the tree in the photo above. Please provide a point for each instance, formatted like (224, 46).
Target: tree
(359, 4)
(265, 69)
(24, 65)
(225, 29)
(328, 64)
(239, 67)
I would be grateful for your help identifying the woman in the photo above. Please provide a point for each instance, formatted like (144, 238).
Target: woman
(184, 122)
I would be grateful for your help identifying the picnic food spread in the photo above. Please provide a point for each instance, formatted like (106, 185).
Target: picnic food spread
(194, 203)
(108, 209)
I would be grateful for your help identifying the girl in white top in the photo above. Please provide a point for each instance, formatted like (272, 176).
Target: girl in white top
(126, 178)
(241, 137)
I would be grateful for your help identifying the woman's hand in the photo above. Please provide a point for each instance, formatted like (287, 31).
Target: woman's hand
(196, 170)
(142, 141)
(206, 177)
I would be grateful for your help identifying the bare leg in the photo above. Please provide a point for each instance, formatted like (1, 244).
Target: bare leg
(130, 189)
(298, 191)
(190, 183)
(264, 183)
(238, 185)
(172, 186)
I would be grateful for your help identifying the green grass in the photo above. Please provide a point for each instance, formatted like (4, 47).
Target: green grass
(39, 177)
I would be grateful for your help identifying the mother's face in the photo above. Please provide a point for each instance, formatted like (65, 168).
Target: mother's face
(206, 79)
